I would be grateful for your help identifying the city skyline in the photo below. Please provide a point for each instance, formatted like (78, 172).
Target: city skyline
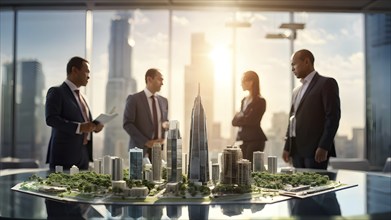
(270, 59)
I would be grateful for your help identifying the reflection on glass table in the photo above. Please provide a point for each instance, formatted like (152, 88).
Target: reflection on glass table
(370, 199)
(321, 205)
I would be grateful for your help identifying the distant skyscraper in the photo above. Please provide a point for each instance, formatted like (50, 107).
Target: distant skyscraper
(377, 87)
(6, 111)
(174, 153)
(198, 152)
(32, 132)
(199, 71)
(358, 139)
(279, 125)
(276, 134)
(136, 163)
(120, 82)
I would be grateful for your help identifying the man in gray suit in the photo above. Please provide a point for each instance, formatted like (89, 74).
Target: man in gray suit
(314, 116)
(146, 113)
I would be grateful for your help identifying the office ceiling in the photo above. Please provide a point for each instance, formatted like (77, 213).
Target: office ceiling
(357, 6)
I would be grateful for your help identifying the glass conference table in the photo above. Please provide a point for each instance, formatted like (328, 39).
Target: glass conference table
(371, 199)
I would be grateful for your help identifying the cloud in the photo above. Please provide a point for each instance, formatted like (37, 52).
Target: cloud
(140, 18)
(250, 17)
(302, 16)
(159, 39)
(344, 68)
(182, 21)
(314, 36)
(5, 58)
(259, 17)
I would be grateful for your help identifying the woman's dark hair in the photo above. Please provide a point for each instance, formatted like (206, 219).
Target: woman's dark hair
(253, 76)
(75, 62)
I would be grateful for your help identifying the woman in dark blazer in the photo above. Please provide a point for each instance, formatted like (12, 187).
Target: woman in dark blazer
(249, 118)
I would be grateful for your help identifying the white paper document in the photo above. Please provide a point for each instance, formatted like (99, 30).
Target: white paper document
(104, 118)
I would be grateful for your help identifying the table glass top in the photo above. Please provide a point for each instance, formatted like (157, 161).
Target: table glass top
(371, 197)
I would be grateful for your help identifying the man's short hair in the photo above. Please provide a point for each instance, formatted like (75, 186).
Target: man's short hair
(75, 62)
(151, 73)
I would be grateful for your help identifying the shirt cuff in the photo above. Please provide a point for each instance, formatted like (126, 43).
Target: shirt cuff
(78, 128)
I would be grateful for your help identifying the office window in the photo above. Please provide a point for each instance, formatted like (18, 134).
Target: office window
(209, 50)
(6, 57)
(125, 45)
(46, 40)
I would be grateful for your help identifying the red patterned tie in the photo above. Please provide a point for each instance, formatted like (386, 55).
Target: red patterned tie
(85, 114)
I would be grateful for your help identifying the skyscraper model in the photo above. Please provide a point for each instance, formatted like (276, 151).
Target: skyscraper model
(135, 163)
(174, 153)
(156, 163)
(198, 151)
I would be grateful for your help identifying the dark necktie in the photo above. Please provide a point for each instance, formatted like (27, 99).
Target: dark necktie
(85, 114)
(155, 121)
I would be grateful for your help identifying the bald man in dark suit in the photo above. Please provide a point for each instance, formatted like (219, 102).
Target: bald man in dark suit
(314, 116)
(138, 119)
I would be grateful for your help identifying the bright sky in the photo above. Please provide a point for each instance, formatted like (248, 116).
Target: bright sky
(337, 41)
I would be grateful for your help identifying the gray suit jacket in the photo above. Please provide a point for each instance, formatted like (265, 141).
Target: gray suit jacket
(317, 118)
(137, 120)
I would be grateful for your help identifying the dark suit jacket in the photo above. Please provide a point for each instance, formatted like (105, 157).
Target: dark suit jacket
(137, 120)
(251, 121)
(317, 117)
(63, 114)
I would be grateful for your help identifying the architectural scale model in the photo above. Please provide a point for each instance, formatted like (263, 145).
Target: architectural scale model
(144, 182)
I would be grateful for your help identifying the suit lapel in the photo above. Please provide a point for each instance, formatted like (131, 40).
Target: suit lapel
(310, 86)
(70, 94)
(160, 103)
(144, 100)
(242, 105)
(249, 106)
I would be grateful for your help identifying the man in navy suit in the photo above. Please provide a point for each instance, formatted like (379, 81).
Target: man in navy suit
(68, 114)
(145, 127)
(314, 116)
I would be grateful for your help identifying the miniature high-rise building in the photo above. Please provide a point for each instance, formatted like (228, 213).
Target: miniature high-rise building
(135, 163)
(259, 161)
(198, 152)
(116, 168)
(215, 173)
(174, 153)
(156, 162)
(107, 164)
(74, 170)
(147, 171)
(185, 163)
(98, 166)
(231, 155)
(244, 172)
